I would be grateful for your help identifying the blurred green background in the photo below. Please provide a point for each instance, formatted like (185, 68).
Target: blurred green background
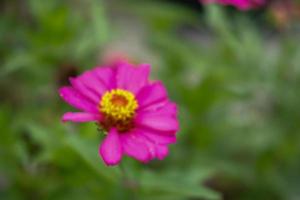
(235, 76)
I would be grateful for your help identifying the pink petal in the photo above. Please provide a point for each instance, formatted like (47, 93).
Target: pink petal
(134, 146)
(240, 4)
(161, 151)
(153, 106)
(81, 117)
(150, 94)
(165, 107)
(158, 137)
(94, 83)
(132, 78)
(75, 99)
(157, 121)
(88, 86)
(110, 149)
(157, 150)
(107, 76)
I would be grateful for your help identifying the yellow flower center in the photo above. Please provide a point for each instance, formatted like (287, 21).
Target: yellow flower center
(118, 107)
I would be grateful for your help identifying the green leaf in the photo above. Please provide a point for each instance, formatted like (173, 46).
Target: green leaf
(166, 183)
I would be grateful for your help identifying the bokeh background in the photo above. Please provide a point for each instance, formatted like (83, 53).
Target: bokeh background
(234, 74)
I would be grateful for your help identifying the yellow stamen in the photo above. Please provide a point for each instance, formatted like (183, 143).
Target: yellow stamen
(118, 107)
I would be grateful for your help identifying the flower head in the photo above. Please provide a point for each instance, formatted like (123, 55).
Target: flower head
(136, 114)
(240, 4)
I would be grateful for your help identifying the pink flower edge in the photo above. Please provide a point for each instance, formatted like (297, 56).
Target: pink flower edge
(240, 4)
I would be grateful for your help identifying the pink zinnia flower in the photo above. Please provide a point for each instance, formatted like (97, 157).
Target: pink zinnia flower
(139, 119)
(240, 4)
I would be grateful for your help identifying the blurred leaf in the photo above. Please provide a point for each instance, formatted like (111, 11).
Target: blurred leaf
(16, 62)
(179, 186)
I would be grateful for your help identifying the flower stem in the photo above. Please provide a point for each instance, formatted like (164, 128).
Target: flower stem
(127, 182)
